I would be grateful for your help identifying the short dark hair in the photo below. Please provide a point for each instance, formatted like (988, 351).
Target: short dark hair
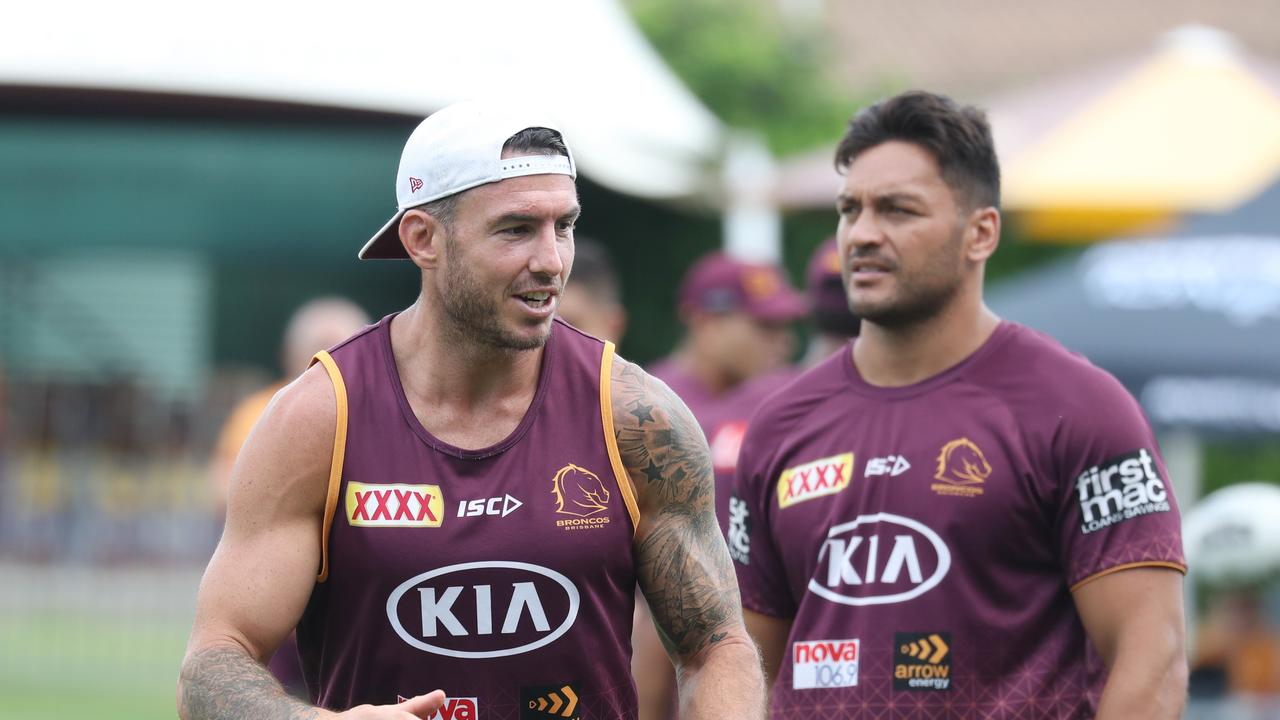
(593, 270)
(536, 141)
(958, 137)
(530, 141)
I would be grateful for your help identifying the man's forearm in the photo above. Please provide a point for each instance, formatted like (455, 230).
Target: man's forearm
(727, 683)
(224, 683)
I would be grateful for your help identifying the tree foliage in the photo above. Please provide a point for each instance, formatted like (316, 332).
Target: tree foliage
(752, 66)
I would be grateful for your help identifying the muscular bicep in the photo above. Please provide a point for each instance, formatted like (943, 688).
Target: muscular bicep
(682, 563)
(1133, 610)
(263, 570)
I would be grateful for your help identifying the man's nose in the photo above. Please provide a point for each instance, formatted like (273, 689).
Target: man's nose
(546, 258)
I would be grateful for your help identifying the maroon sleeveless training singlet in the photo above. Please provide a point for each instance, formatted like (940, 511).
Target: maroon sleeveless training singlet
(503, 575)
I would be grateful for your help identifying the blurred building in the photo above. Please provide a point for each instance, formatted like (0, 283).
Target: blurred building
(986, 47)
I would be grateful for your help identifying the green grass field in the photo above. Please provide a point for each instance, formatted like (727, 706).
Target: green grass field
(88, 666)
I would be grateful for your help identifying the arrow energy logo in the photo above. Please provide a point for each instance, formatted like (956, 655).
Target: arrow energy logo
(922, 661)
(549, 701)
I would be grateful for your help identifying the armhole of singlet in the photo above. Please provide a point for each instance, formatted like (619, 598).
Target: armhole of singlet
(335, 465)
(611, 440)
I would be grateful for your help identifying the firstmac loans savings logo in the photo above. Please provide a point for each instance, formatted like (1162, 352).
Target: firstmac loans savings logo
(1119, 489)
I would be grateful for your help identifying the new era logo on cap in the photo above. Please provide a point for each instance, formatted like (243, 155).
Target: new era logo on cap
(414, 184)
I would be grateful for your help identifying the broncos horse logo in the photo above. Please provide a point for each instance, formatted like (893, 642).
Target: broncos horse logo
(579, 492)
(962, 463)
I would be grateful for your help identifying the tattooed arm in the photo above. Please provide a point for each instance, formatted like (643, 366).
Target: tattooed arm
(261, 575)
(682, 563)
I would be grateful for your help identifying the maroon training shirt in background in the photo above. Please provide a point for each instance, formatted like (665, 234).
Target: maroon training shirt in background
(925, 539)
(504, 575)
(723, 419)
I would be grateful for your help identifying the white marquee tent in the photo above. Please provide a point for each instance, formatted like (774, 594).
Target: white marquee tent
(635, 127)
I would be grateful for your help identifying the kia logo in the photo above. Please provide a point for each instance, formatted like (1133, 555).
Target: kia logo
(483, 609)
(879, 559)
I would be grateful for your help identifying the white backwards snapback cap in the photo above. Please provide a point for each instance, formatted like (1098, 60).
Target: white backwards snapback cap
(456, 149)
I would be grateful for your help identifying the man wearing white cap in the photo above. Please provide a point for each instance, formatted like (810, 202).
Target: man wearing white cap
(460, 499)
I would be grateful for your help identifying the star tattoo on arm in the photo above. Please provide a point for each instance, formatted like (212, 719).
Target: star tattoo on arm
(643, 412)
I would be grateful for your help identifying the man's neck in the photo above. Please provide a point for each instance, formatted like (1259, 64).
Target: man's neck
(453, 382)
(894, 357)
(702, 369)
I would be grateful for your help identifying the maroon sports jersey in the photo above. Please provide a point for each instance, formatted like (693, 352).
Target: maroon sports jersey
(925, 539)
(503, 575)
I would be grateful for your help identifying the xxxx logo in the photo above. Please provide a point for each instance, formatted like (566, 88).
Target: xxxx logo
(814, 479)
(394, 505)
(414, 184)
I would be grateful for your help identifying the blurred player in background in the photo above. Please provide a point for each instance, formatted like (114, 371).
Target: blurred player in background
(738, 319)
(1237, 647)
(593, 301)
(833, 323)
(958, 518)
(465, 495)
(316, 325)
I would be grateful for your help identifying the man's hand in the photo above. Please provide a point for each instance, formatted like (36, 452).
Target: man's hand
(223, 681)
(422, 706)
(682, 563)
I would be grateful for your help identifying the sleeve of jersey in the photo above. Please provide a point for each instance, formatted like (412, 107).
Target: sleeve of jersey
(1116, 506)
(755, 557)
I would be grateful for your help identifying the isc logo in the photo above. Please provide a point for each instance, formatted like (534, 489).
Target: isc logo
(503, 506)
(814, 479)
(483, 609)
(879, 559)
(394, 505)
(891, 465)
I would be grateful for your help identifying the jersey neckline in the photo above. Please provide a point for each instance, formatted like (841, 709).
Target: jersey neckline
(410, 418)
(1003, 332)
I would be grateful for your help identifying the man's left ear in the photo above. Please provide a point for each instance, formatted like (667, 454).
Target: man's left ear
(982, 234)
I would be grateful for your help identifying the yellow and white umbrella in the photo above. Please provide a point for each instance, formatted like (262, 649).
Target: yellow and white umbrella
(1192, 128)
